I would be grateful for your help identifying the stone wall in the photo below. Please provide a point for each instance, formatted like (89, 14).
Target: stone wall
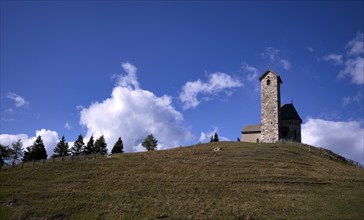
(270, 108)
(251, 137)
(291, 130)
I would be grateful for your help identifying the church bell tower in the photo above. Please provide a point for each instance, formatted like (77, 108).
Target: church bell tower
(270, 107)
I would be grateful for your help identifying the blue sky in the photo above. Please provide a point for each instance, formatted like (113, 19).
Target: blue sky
(179, 70)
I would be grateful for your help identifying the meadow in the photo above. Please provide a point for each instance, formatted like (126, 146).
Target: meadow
(241, 181)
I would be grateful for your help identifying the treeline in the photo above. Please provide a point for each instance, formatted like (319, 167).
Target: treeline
(15, 153)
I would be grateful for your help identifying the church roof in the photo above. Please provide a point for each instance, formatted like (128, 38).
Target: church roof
(270, 71)
(288, 111)
(251, 129)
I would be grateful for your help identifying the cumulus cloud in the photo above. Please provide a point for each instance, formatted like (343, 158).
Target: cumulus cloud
(19, 101)
(50, 139)
(133, 113)
(192, 92)
(275, 59)
(342, 137)
(129, 80)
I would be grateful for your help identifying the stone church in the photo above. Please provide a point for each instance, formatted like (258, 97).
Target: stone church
(277, 122)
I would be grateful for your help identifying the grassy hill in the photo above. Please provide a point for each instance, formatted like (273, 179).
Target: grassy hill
(242, 181)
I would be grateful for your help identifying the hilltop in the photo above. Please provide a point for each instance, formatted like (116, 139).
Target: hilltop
(241, 181)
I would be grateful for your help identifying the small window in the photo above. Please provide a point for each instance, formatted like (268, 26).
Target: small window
(268, 82)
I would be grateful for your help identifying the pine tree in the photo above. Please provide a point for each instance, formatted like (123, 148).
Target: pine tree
(17, 151)
(78, 146)
(28, 154)
(118, 147)
(90, 147)
(101, 146)
(36, 151)
(216, 137)
(62, 148)
(5, 152)
(150, 143)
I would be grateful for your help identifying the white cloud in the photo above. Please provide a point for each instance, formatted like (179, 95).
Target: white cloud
(50, 139)
(252, 72)
(67, 126)
(355, 47)
(19, 101)
(354, 67)
(353, 62)
(310, 49)
(342, 137)
(358, 98)
(270, 53)
(336, 58)
(275, 59)
(133, 113)
(129, 80)
(285, 64)
(217, 82)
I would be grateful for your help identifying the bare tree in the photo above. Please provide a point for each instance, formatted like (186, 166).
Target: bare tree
(17, 148)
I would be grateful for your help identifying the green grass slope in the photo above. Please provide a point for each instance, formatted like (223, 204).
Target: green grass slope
(242, 181)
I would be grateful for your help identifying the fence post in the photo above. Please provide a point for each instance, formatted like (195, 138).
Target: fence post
(22, 164)
(33, 162)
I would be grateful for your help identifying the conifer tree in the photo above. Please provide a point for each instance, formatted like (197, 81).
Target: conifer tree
(216, 137)
(17, 151)
(150, 143)
(5, 152)
(118, 147)
(90, 147)
(78, 146)
(100, 145)
(36, 151)
(62, 148)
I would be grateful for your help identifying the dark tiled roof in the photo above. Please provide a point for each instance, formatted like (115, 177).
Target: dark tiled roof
(270, 71)
(288, 111)
(251, 129)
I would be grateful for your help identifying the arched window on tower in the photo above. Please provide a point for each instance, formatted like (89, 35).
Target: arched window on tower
(268, 82)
